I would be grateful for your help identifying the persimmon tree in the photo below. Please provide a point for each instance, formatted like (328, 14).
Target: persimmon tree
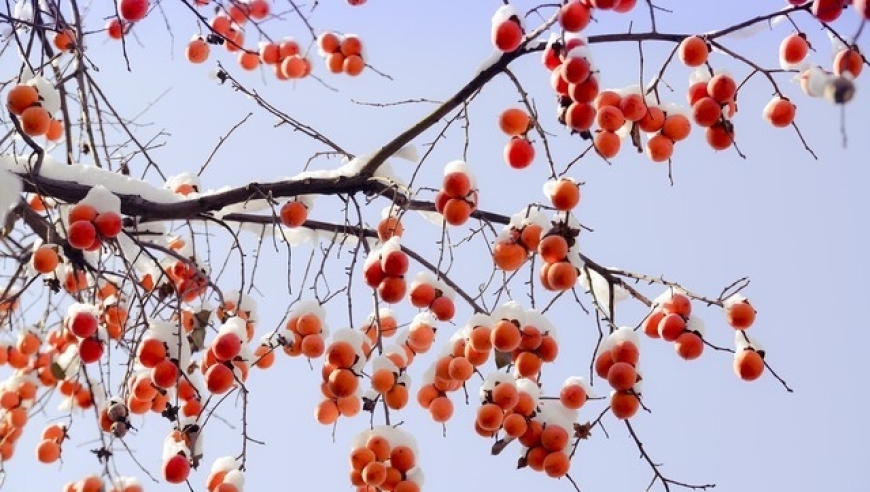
(130, 295)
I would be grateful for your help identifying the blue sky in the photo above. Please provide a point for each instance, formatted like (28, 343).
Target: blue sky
(788, 221)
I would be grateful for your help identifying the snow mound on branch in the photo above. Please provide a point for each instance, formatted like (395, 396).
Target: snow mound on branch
(91, 176)
(10, 192)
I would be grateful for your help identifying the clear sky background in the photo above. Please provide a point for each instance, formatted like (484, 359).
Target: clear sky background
(790, 222)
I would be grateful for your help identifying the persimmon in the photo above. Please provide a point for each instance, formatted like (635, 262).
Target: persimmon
(293, 213)
(706, 111)
(689, 345)
(671, 326)
(176, 469)
(335, 62)
(456, 184)
(827, 10)
(249, 60)
(270, 53)
(505, 336)
(353, 65)
(343, 382)
(607, 144)
(580, 116)
(341, 355)
(610, 118)
(530, 236)
(374, 473)
(456, 211)
(565, 195)
(696, 91)
(554, 437)
(234, 40)
(421, 295)
(514, 122)
(624, 404)
(625, 351)
(108, 224)
(528, 364)
(740, 315)
(508, 255)
(748, 364)
(722, 88)
(659, 148)
(549, 349)
(720, 136)
(55, 130)
(441, 409)
(394, 263)
(848, 60)
(561, 276)
(392, 289)
(556, 464)
(54, 432)
(295, 67)
(536, 456)
(519, 153)
(64, 40)
(633, 107)
(553, 248)
(35, 121)
(793, 48)
(360, 457)
(21, 97)
(313, 346)
(443, 308)
(383, 380)
(575, 70)
(397, 397)
(584, 92)
(514, 425)
(531, 338)
(693, 51)
(460, 369)
(573, 396)
(264, 357)
(165, 374)
(258, 9)
(489, 417)
(45, 259)
(779, 112)
(507, 35)
(621, 376)
(326, 412)
(574, 16)
(351, 45)
(133, 10)
(505, 396)
(197, 51)
(219, 379)
(676, 127)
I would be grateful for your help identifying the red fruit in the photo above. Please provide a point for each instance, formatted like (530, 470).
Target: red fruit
(862, 7)
(108, 224)
(507, 36)
(373, 273)
(689, 345)
(671, 326)
(456, 185)
(82, 212)
(828, 10)
(176, 469)
(394, 263)
(133, 10)
(90, 350)
(226, 346)
(443, 308)
(519, 153)
(81, 235)
(83, 324)
(575, 70)
(115, 29)
(722, 88)
(574, 17)
(392, 289)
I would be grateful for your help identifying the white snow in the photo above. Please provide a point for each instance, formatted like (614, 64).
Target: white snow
(10, 192)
